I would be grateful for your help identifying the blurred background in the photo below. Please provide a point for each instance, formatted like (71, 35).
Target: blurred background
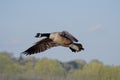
(94, 22)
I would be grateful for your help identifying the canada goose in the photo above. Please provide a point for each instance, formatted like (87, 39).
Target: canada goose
(54, 39)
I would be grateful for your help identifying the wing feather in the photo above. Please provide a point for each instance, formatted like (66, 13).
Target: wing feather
(40, 46)
(70, 36)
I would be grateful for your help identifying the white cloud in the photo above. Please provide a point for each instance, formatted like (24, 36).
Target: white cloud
(97, 27)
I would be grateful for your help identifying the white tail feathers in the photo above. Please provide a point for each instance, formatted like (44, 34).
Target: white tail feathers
(76, 47)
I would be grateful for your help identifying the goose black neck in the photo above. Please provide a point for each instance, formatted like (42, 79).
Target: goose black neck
(45, 34)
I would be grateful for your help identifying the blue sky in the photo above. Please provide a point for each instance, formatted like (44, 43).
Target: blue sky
(96, 23)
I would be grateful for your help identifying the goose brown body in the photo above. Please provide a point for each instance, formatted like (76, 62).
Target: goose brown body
(54, 39)
(59, 38)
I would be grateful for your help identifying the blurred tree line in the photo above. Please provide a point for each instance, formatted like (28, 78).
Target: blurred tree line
(47, 69)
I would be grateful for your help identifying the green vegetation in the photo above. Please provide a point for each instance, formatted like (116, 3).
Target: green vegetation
(47, 69)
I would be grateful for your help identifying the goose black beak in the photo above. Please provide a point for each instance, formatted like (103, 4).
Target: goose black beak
(37, 35)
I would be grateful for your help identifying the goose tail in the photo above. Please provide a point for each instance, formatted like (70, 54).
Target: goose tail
(76, 47)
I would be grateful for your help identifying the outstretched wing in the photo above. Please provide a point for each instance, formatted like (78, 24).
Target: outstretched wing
(40, 46)
(70, 36)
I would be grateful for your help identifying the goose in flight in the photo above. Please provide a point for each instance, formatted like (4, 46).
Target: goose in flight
(54, 39)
